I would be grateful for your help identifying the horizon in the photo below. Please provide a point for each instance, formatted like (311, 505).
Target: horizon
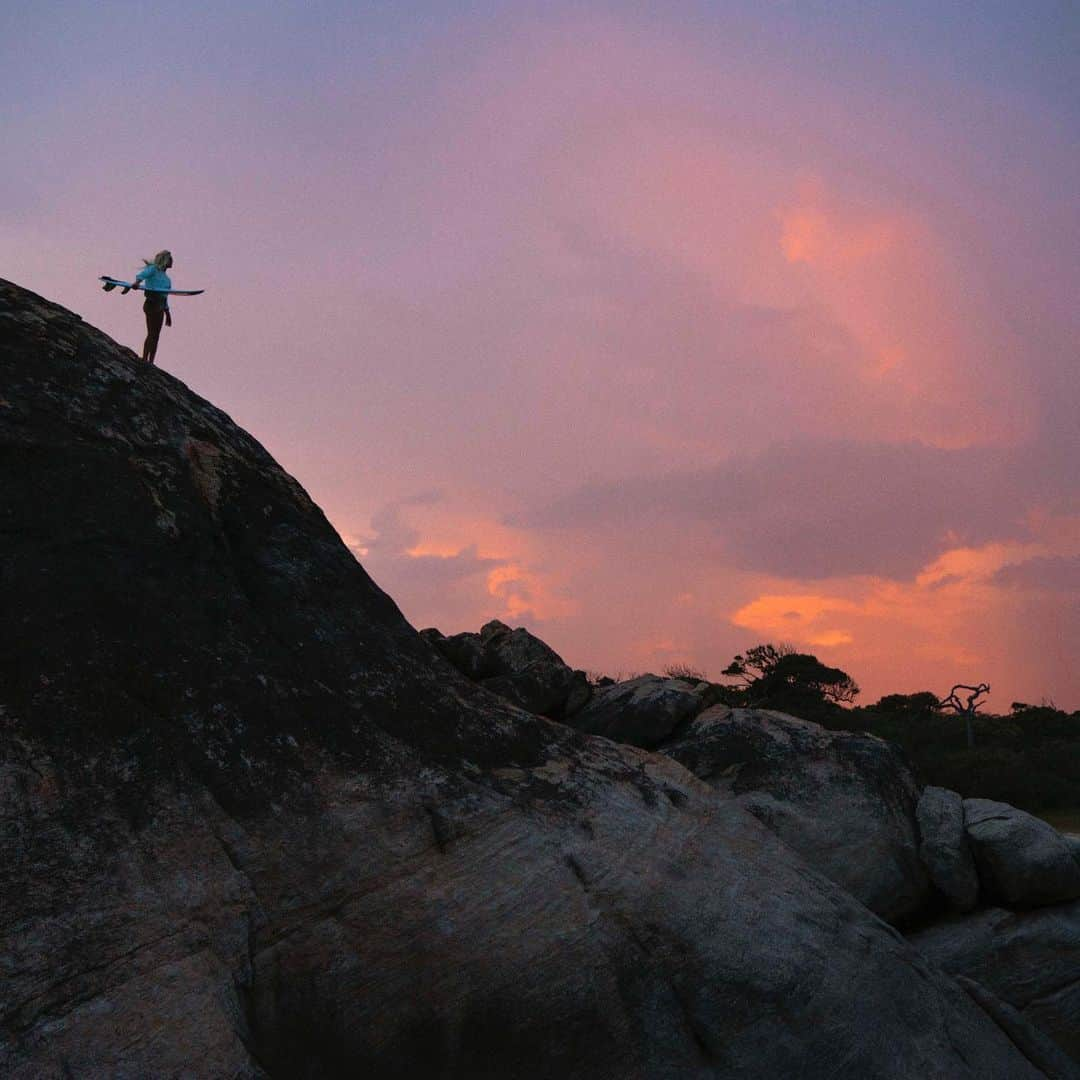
(542, 304)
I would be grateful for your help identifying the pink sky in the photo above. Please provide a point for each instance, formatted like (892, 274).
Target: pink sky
(661, 336)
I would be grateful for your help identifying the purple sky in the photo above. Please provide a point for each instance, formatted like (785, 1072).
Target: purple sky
(661, 330)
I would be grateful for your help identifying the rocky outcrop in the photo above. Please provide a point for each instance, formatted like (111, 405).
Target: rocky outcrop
(944, 847)
(251, 824)
(644, 711)
(1022, 861)
(1030, 1040)
(517, 666)
(1027, 958)
(845, 802)
(848, 803)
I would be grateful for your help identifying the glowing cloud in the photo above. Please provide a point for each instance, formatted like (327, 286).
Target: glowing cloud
(610, 321)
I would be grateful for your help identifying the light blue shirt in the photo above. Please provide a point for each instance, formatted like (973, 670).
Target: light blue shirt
(153, 279)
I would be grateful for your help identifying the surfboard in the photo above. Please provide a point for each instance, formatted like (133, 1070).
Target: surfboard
(114, 283)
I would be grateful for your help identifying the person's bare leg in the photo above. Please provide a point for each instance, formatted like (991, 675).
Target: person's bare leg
(154, 319)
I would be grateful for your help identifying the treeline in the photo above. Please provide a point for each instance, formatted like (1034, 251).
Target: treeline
(1029, 756)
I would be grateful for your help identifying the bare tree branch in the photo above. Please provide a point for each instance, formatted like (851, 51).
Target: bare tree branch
(966, 710)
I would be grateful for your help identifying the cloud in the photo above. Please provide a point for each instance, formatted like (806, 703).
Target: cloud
(1005, 609)
(1054, 572)
(821, 509)
(657, 338)
(524, 594)
(810, 236)
(458, 572)
(810, 618)
(393, 535)
(415, 573)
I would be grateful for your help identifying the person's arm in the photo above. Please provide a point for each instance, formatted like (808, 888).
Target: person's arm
(168, 313)
(142, 275)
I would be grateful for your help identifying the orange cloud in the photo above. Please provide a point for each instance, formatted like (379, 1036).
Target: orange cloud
(809, 236)
(436, 550)
(876, 292)
(524, 592)
(800, 617)
(888, 276)
(954, 619)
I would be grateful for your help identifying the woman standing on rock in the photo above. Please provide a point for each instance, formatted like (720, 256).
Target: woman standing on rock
(155, 283)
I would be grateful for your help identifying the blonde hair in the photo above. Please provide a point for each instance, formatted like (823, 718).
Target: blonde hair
(159, 259)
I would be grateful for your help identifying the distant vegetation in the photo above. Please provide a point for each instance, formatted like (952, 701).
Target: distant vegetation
(1029, 757)
(684, 671)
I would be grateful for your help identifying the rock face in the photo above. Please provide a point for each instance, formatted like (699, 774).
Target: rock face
(1022, 861)
(944, 846)
(645, 711)
(1032, 1041)
(515, 665)
(252, 825)
(1028, 959)
(845, 802)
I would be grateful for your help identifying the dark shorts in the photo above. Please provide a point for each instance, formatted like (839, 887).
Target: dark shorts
(155, 303)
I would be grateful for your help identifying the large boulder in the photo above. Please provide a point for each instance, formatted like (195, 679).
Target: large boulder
(845, 802)
(944, 848)
(644, 711)
(251, 824)
(1022, 861)
(1030, 959)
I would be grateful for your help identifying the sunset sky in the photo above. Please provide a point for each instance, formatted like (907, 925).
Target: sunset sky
(659, 329)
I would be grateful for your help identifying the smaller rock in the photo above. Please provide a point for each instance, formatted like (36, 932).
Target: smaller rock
(1022, 861)
(527, 671)
(515, 665)
(580, 695)
(944, 847)
(491, 628)
(465, 651)
(643, 711)
(1073, 842)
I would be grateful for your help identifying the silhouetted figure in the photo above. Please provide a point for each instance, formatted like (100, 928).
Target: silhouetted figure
(155, 283)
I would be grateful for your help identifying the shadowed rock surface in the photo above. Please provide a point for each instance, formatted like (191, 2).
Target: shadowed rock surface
(515, 665)
(1022, 861)
(845, 802)
(1034, 1043)
(644, 711)
(251, 825)
(944, 846)
(1027, 958)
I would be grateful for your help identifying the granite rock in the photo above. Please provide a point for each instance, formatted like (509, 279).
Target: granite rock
(252, 824)
(1022, 861)
(844, 801)
(944, 848)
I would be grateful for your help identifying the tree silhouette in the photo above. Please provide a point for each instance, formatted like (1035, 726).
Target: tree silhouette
(779, 677)
(966, 709)
(911, 704)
